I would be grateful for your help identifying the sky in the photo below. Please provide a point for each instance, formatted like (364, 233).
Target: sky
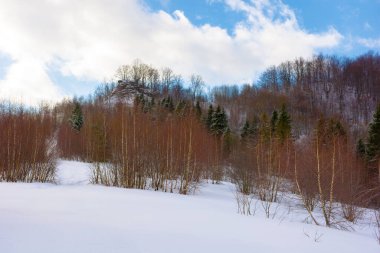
(51, 49)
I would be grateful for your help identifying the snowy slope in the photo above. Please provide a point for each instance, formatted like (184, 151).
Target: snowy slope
(74, 216)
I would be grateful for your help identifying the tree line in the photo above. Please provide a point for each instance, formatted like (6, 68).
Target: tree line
(310, 127)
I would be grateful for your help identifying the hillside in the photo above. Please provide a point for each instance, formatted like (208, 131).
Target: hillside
(75, 216)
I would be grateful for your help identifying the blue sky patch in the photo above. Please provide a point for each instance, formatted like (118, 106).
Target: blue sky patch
(5, 62)
(354, 19)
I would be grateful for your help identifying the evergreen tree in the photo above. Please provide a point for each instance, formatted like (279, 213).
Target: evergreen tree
(76, 118)
(273, 121)
(216, 120)
(227, 141)
(283, 126)
(373, 143)
(219, 121)
(224, 121)
(138, 100)
(167, 103)
(336, 128)
(143, 103)
(360, 148)
(170, 105)
(250, 130)
(181, 108)
(210, 114)
(198, 110)
(163, 102)
(246, 130)
(328, 129)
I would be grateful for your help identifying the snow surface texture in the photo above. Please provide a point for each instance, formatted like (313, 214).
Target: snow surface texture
(75, 216)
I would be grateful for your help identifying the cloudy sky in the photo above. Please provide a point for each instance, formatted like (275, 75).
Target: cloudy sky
(55, 48)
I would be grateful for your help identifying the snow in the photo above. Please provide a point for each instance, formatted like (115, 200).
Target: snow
(74, 216)
(73, 173)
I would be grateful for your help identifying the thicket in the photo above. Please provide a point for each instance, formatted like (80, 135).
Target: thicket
(27, 144)
(156, 146)
(303, 130)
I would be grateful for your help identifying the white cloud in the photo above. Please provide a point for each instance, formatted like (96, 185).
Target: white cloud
(91, 38)
(27, 81)
(370, 43)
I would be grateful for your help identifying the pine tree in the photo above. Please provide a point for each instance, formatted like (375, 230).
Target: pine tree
(336, 128)
(143, 103)
(227, 141)
(273, 121)
(328, 129)
(283, 126)
(224, 121)
(198, 110)
(361, 148)
(181, 108)
(219, 122)
(208, 119)
(246, 130)
(170, 104)
(76, 118)
(136, 101)
(250, 130)
(163, 102)
(373, 143)
(215, 121)
(167, 103)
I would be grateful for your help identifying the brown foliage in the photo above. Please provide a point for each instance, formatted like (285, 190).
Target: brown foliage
(327, 170)
(136, 148)
(26, 144)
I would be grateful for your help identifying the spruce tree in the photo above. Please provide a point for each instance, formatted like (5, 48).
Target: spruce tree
(273, 121)
(227, 141)
(181, 108)
(208, 119)
(215, 121)
(224, 121)
(198, 110)
(250, 130)
(167, 103)
(373, 143)
(143, 104)
(336, 128)
(361, 148)
(76, 118)
(137, 100)
(163, 102)
(245, 131)
(283, 126)
(219, 122)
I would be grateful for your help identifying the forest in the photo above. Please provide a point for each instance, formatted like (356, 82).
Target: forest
(307, 127)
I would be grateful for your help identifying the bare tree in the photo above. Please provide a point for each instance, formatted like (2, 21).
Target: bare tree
(197, 85)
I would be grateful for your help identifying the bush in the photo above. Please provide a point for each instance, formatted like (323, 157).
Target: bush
(27, 144)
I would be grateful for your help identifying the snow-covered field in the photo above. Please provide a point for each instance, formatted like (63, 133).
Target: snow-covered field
(75, 216)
